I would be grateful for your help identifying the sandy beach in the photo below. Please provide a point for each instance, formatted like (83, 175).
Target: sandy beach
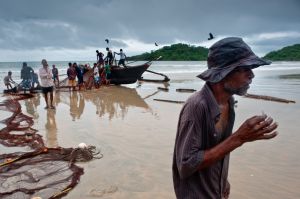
(136, 136)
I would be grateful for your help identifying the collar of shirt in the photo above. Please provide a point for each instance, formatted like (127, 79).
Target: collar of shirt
(213, 106)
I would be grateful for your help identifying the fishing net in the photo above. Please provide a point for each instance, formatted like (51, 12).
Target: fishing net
(42, 172)
(17, 130)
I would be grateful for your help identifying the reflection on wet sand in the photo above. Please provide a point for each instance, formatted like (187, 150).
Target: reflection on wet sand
(164, 84)
(31, 105)
(113, 101)
(51, 129)
(116, 101)
(76, 105)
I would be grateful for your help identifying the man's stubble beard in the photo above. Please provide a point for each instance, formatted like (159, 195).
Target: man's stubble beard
(236, 91)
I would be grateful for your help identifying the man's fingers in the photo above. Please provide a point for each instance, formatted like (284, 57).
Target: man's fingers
(269, 128)
(263, 124)
(255, 120)
(268, 136)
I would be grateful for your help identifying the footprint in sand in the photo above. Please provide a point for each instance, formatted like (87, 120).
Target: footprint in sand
(100, 193)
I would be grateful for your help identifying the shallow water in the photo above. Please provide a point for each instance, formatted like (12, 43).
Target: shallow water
(136, 134)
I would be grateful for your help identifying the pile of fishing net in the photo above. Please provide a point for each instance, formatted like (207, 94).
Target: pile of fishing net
(43, 172)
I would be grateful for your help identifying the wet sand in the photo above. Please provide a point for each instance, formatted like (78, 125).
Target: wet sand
(136, 136)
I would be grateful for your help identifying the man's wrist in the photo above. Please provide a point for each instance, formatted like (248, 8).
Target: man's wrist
(236, 140)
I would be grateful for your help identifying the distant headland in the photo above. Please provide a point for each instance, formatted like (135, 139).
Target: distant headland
(288, 53)
(185, 52)
(175, 52)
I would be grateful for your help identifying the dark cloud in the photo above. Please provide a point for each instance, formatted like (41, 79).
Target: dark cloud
(76, 24)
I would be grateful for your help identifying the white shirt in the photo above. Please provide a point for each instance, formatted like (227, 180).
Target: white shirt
(46, 77)
(96, 72)
(122, 55)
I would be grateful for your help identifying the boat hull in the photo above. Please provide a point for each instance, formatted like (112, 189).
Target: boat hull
(128, 75)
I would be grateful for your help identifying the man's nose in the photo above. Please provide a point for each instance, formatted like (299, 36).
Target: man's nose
(251, 74)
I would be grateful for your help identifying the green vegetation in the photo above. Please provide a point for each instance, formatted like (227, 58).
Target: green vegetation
(289, 53)
(290, 76)
(185, 52)
(175, 52)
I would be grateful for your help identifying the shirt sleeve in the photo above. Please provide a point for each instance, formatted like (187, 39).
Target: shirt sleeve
(189, 143)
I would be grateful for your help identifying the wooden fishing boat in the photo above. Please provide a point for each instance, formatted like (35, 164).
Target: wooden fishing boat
(123, 75)
(128, 74)
(119, 75)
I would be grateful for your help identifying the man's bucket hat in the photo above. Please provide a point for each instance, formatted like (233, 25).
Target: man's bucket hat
(226, 55)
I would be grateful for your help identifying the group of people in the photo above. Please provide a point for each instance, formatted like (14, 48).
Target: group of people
(110, 57)
(29, 78)
(101, 75)
(101, 70)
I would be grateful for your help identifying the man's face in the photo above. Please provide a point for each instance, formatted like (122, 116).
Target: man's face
(238, 81)
(44, 63)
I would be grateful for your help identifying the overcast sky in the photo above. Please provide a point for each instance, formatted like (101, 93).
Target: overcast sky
(31, 30)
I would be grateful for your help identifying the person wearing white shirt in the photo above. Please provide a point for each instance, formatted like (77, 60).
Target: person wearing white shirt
(46, 83)
(122, 58)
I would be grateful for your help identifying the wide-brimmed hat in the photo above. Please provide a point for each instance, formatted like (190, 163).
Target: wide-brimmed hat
(226, 55)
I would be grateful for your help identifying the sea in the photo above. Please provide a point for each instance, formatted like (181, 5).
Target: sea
(272, 78)
(136, 133)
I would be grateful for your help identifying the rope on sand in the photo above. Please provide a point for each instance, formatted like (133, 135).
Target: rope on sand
(268, 98)
(187, 90)
(163, 89)
(171, 101)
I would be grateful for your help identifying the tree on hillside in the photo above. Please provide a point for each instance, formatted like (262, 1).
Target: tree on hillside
(175, 52)
(289, 53)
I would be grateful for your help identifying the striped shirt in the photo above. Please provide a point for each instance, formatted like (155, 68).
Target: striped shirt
(196, 133)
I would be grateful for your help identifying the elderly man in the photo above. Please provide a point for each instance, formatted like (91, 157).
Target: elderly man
(46, 83)
(204, 136)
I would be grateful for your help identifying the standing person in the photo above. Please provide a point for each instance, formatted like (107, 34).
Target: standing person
(26, 76)
(204, 137)
(35, 80)
(90, 74)
(55, 75)
(71, 73)
(107, 70)
(122, 58)
(96, 75)
(109, 57)
(80, 73)
(46, 83)
(100, 56)
(8, 80)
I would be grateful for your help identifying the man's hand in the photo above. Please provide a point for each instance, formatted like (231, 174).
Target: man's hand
(257, 128)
